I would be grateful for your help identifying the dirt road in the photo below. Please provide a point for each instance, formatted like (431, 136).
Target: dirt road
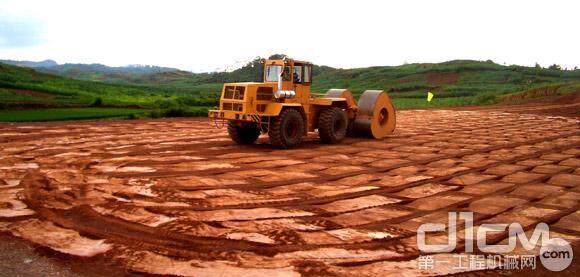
(178, 197)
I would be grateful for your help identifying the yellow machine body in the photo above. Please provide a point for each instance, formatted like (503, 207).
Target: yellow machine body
(287, 85)
(250, 101)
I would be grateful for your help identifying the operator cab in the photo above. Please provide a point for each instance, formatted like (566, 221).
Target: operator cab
(296, 75)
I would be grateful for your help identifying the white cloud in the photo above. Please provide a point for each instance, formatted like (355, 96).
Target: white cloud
(204, 35)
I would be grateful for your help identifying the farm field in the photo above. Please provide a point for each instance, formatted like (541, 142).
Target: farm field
(67, 114)
(177, 197)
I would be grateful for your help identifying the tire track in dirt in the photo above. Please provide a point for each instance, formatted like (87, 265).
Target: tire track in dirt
(148, 222)
(311, 143)
(85, 220)
(322, 200)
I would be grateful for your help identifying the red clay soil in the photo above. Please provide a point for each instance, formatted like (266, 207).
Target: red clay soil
(177, 197)
(31, 93)
(18, 257)
(442, 78)
(566, 105)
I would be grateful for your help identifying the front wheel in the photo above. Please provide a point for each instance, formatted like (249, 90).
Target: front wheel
(243, 132)
(286, 129)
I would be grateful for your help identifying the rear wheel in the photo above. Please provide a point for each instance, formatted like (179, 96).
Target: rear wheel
(286, 129)
(332, 125)
(243, 132)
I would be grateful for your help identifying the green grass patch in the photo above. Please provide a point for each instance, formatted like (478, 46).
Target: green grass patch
(8, 96)
(417, 103)
(67, 114)
(181, 111)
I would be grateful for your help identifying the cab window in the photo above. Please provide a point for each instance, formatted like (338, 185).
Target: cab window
(307, 74)
(287, 76)
(297, 75)
(273, 72)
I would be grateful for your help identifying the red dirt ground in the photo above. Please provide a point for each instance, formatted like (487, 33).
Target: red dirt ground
(31, 93)
(443, 78)
(433, 79)
(177, 197)
(566, 105)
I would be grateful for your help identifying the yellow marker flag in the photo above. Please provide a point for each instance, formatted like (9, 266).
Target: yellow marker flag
(429, 96)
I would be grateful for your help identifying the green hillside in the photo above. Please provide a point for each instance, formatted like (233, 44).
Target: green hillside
(99, 72)
(453, 76)
(90, 72)
(26, 89)
(454, 83)
(179, 93)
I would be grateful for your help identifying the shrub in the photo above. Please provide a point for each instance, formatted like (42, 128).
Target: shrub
(197, 101)
(485, 99)
(175, 112)
(166, 104)
(155, 114)
(98, 102)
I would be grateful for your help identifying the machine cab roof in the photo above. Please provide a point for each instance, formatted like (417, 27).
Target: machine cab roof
(299, 72)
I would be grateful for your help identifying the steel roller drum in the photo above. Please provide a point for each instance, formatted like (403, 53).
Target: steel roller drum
(376, 115)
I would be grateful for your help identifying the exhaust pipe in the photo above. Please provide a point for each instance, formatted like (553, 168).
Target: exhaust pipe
(280, 79)
(284, 94)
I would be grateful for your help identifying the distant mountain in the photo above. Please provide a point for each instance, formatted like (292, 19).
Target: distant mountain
(251, 72)
(147, 74)
(45, 63)
(92, 72)
(100, 72)
(67, 68)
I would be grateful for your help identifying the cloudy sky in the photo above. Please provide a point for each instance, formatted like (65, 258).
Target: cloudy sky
(215, 34)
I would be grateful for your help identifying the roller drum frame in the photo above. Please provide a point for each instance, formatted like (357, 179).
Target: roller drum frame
(336, 92)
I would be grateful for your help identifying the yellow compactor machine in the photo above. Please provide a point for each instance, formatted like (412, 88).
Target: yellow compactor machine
(283, 107)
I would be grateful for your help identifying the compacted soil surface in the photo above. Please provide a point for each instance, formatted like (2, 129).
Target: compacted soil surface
(177, 197)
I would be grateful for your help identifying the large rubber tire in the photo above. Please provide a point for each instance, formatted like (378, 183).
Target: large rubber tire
(286, 130)
(243, 132)
(332, 125)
